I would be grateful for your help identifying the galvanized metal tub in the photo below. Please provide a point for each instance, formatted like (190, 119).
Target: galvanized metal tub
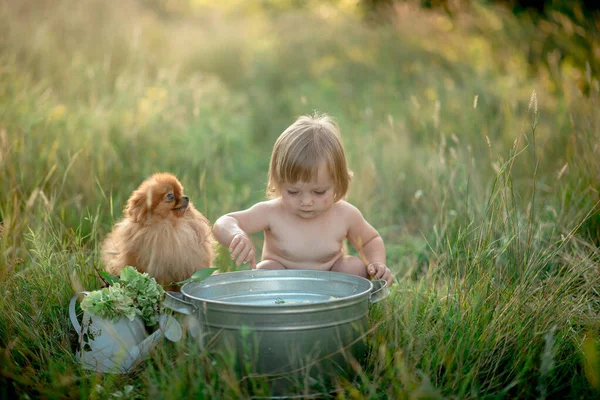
(299, 327)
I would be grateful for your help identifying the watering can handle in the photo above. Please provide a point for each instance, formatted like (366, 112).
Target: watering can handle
(72, 313)
(380, 291)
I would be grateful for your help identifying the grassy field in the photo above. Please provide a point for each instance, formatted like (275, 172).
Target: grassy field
(480, 170)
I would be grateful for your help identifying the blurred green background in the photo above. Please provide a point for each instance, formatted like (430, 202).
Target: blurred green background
(472, 129)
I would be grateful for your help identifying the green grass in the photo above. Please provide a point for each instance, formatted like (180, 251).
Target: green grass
(486, 196)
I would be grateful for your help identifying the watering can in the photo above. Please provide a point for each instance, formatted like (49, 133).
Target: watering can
(116, 346)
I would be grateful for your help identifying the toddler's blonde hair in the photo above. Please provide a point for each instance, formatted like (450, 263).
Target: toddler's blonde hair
(302, 148)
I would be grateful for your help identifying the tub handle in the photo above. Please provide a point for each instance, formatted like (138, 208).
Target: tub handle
(380, 291)
(175, 302)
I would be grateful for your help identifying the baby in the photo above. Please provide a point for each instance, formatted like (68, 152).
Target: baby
(306, 220)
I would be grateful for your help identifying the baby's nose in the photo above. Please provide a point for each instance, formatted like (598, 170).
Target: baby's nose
(306, 199)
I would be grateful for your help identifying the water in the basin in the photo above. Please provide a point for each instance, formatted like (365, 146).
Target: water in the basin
(281, 298)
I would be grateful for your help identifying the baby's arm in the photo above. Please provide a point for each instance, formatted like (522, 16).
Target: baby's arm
(232, 231)
(367, 241)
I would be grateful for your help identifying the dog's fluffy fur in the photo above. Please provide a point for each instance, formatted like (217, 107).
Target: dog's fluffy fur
(161, 234)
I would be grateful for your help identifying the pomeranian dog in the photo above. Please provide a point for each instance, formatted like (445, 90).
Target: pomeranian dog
(161, 234)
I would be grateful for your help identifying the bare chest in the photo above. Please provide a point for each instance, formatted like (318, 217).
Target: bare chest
(313, 241)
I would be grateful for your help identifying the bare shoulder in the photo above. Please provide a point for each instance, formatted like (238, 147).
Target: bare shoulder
(262, 208)
(359, 230)
(269, 206)
(348, 215)
(348, 210)
(256, 218)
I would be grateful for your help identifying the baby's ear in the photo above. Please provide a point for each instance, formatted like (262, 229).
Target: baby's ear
(139, 205)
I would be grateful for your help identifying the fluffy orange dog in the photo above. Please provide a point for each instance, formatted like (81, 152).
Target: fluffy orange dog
(161, 234)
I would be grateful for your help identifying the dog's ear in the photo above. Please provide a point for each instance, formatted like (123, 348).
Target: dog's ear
(139, 204)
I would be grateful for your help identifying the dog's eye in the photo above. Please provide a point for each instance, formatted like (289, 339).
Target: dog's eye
(170, 197)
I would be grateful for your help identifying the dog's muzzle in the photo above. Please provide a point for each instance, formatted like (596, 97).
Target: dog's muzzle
(185, 202)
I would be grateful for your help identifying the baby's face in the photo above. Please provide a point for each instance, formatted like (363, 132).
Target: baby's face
(309, 199)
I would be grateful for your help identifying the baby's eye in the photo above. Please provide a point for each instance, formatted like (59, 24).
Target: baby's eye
(170, 197)
(292, 192)
(320, 192)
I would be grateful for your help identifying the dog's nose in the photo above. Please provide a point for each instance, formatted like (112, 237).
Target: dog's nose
(185, 201)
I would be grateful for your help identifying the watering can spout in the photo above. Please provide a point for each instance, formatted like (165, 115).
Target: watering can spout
(143, 349)
(168, 327)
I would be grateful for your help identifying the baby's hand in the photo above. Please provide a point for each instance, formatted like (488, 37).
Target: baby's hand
(242, 247)
(381, 271)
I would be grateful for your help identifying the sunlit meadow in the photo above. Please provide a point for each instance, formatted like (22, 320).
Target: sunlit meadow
(474, 144)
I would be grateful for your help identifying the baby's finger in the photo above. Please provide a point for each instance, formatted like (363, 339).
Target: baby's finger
(234, 242)
(380, 272)
(253, 260)
(389, 278)
(236, 251)
(243, 255)
(250, 256)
